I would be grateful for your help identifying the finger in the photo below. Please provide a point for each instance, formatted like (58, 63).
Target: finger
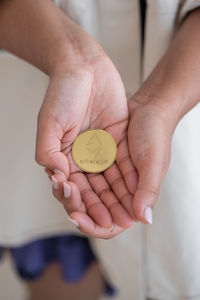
(87, 225)
(72, 198)
(95, 208)
(151, 169)
(119, 215)
(48, 172)
(48, 145)
(126, 166)
(115, 180)
(67, 193)
(123, 158)
(57, 186)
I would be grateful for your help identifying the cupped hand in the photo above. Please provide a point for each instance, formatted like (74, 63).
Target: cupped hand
(77, 211)
(83, 97)
(149, 137)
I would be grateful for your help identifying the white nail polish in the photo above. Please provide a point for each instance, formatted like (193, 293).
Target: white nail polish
(111, 228)
(148, 215)
(73, 221)
(67, 190)
(56, 171)
(55, 183)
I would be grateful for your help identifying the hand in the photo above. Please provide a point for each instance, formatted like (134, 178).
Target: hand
(80, 98)
(149, 137)
(169, 92)
(75, 207)
(85, 91)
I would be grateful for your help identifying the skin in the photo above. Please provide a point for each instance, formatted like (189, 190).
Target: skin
(170, 91)
(84, 83)
(95, 101)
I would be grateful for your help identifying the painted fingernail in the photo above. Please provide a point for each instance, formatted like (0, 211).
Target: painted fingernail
(55, 183)
(148, 215)
(67, 190)
(111, 228)
(56, 171)
(73, 221)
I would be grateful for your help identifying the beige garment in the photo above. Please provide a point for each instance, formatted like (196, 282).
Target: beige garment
(160, 261)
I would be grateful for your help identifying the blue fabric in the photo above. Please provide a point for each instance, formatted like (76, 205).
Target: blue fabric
(72, 251)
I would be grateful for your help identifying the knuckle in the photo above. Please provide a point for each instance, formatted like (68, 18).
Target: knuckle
(154, 192)
(151, 190)
(123, 160)
(116, 182)
(104, 191)
(93, 206)
(130, 172)
(85, 191)
(113, 205)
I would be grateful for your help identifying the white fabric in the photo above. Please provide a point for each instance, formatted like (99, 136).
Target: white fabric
(187, 6)
(160, 261)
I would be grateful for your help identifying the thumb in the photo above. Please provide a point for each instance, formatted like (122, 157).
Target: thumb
(48, 146)
(151, 169)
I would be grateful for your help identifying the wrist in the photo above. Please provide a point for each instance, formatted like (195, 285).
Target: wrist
(166, 92)
(76, 49)
(163, 106)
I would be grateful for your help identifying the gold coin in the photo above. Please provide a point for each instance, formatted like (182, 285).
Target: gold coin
(94, 150)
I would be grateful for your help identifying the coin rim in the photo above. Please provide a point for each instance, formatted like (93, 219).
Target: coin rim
(109, 164)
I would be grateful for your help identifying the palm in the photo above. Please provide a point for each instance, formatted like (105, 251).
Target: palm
(95, 101)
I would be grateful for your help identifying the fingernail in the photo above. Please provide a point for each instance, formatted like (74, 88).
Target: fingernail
(148, 215)
(73, 221)
(55, 183)
(56, 171)
(111, 228)
(67, 190)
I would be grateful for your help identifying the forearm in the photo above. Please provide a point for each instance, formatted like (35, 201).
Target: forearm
(43, 35)
(174, 84)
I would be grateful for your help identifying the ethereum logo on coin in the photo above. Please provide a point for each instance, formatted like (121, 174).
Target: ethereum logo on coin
(94, 150)
(94, 145)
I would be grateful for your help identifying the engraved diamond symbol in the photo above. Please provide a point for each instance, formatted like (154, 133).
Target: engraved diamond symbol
(94, 145)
